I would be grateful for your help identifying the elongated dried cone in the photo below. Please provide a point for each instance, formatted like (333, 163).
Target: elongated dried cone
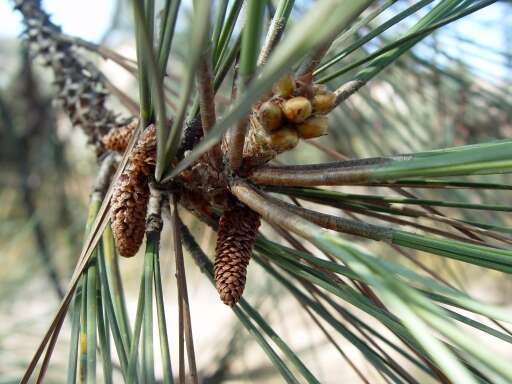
(315, 126)
(297, 109)
(270, 116)
(128, 212)
(284, 139)
(284, 87)
(81, 88)
(323, 103)
(131, 195)
(236, 236)
(117, 139)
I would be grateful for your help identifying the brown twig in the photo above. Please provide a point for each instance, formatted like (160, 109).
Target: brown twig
(185, 320)
(206, 93)
(236, 143)
(235, 136)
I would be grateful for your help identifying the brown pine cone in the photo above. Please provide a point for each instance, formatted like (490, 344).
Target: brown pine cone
(131, 195)
(128, 212)
(238, 228)
(143, 156)
(117, 139)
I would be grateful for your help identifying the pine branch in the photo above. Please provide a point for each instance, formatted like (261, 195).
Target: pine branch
(338, 224)
(338, 173)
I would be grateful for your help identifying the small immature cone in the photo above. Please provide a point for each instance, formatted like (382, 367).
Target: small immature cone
(284, 87)
(315, 126)
(270, 116)
(131, 195)
(238, 228)
(284, 139)
(297, 109)
(323, 103)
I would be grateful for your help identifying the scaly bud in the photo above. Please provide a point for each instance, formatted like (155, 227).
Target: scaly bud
(270, 116)
(319, 89)
(297, 109)
(284, 87)
(315, 126)
(284, 139)
(323, 103)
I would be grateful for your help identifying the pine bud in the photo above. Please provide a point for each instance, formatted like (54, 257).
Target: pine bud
(323, 103)
(284, 87)
(284, 139)
(238, 228)
(270, 116)
(319, 89)
(315, 126)
(297, 109)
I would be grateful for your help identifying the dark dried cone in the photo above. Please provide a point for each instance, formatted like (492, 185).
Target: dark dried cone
(81, 87)
(131, 195)
(192, 135)
(117, 139)
(237, 232)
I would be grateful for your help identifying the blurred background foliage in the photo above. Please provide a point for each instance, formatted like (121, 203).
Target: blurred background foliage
(453, 88)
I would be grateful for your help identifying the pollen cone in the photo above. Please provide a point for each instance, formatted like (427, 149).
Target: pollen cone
(237, 232)
(131, 195)
(118, 138)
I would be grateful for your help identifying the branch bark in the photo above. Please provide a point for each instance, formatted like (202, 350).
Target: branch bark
(206, 94)
(338, 224)
(273, 212)
(351, 172)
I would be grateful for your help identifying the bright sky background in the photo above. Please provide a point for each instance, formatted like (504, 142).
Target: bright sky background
(89, 19)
